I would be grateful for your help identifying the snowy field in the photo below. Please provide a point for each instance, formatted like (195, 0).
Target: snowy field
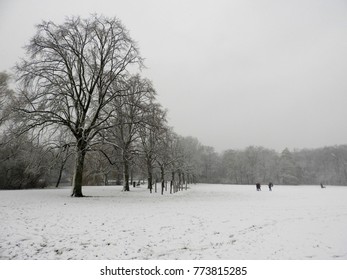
(205, 222)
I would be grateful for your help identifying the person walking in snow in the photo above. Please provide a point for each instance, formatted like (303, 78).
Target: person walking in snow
(270, 186)
(258, 186)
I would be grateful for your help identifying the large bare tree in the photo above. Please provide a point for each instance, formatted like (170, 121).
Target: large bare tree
(66, 78)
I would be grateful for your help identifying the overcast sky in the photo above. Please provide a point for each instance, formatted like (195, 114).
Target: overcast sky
(232, 73)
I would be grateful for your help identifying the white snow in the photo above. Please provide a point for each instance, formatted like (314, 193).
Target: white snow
(204, 222)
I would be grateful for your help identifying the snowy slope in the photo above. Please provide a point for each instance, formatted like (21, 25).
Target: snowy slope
(205, 222)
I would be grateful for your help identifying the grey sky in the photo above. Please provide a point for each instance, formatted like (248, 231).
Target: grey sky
(231, 73)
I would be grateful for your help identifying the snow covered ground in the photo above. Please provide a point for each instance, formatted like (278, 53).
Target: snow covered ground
(205, 222)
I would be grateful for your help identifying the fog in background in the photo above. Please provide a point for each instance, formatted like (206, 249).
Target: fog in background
(231, 73)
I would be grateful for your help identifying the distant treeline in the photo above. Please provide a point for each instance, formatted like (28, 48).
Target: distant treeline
(257, 164)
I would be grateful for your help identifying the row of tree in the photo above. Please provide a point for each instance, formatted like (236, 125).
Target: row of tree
(81, 103)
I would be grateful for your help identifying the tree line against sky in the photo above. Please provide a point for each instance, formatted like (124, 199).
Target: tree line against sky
(83, 113)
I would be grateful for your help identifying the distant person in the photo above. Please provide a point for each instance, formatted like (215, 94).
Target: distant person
(322, 186)
(258, 186)
(270, 186)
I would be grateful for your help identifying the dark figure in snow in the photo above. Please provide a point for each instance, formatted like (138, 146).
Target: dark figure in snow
(270, 186)
(258, 187)
(322, 186)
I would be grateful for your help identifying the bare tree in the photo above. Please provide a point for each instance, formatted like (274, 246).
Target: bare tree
(155, 120)
(66, 79)
(193, 158)
(165, 158)
(129, 115)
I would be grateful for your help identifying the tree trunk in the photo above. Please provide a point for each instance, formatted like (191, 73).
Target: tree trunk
(106, 179)
(131, 176)
(149, 173)
(172, 182)
(119, 175)
(150, 182)
(79, 164)
(60, 174)
(125, 173)
(186, 181)
(150, 179)
(162, 174)
(62, 167)
(179, 180)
